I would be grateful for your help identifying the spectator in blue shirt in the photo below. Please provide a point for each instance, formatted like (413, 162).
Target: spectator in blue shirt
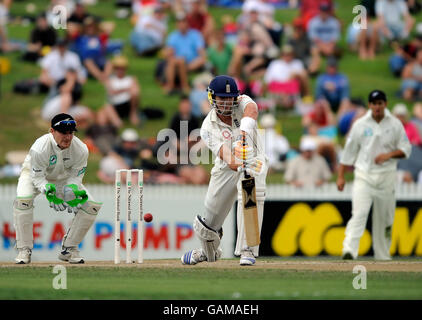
(92, 51)
(184, 53)
(324, 31)
(334, 87)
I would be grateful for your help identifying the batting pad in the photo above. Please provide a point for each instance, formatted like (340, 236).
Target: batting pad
(210, 241)
(241, 235)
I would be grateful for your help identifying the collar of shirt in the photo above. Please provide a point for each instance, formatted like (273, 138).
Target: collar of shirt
(387, 116)
(56, 148)
(214, 118)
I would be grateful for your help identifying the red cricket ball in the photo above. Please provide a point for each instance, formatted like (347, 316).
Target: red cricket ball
(148, 217)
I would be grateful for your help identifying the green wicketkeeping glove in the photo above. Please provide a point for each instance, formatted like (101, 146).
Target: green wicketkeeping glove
(74, 198)
(50, 193)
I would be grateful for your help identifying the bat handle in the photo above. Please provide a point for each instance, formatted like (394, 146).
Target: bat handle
(244, 145)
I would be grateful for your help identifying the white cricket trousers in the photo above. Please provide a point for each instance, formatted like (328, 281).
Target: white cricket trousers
(23, 219)
(378, 191)
(223, 189)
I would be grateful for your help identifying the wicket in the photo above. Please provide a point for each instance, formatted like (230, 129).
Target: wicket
(140, 182)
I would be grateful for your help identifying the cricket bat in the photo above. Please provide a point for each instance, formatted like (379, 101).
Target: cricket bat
(250, 210)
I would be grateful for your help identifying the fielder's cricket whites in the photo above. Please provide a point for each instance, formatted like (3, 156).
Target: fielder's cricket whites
(55, 167)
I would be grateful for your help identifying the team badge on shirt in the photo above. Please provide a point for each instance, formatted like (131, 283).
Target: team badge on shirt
(226, 134)
(368, 132)
(53, 159)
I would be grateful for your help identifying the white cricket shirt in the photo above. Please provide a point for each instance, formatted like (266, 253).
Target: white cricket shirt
(50, 164)
(215, 132)
(368, 139)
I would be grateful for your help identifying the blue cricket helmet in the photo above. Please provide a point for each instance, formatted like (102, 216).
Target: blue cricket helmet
(223, 86)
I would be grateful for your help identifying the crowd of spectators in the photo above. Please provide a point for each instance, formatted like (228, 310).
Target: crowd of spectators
(275, 62)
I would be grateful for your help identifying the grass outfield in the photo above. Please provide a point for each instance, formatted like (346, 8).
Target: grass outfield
(271, 279)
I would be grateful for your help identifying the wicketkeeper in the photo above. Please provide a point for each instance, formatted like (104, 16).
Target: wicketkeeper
(54, 167)
(231, 116)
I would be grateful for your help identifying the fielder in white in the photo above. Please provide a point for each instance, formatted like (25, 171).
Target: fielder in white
(54, 166)
(374, 145)
(230, 116)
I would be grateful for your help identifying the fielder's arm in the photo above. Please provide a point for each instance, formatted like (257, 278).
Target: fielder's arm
(77, 171)
(39, 165)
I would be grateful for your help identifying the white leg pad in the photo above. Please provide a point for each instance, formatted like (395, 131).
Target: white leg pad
(241, 235)
(23, 216)
(210, 240)
(81, 223)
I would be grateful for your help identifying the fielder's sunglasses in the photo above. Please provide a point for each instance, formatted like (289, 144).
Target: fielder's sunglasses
(66, 123)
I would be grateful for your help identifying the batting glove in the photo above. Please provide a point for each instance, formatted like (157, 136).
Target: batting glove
(254, 167)
(242, 152)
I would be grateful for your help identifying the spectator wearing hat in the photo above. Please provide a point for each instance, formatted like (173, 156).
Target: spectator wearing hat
(150, 32)
(184, 53)
(412, 79)
(285, 77)
(308, 169)
(324, 30)
(92, 51)
(333, 86)
(123, 95)
(276, 145)
(303, 48)
(412, 132)
(393, 19)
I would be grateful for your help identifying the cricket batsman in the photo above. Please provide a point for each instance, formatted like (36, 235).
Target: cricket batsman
(374, 145)
(232, 117)
(54, 167)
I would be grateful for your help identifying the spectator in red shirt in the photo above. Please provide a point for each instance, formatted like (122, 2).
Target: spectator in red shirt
(310, 8)
(200, 20)
(321, 115)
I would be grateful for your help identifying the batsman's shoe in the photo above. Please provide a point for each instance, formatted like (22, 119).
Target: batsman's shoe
(247, 258)
(71, 255)
(347, 256)
(24, 256)
(193, 257)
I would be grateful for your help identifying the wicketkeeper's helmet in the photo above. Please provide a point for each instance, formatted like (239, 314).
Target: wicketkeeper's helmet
(223, 86)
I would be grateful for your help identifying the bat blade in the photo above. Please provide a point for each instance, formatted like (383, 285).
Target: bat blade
(250, 212)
